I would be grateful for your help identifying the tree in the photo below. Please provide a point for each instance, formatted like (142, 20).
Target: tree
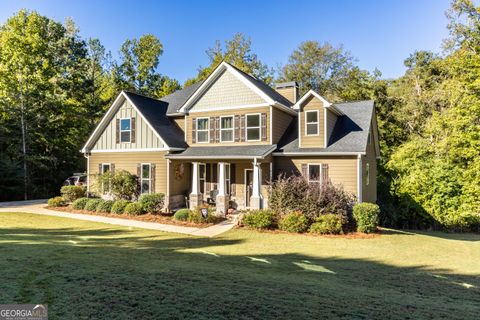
(238, 52)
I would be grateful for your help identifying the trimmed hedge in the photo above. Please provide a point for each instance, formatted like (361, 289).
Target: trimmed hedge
(294, 222)
(366, 216)
(133, 209)
(72, 193)
(105, 206)
(259, 219)
(327, 224)
(92, 204)
(182, 215)
(56, 202)
(118, 206)
(80, 203)
(152, 203)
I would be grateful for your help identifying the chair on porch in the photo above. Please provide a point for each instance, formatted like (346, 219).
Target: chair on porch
(212, 197)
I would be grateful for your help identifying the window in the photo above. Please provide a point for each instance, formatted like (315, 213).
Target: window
(125, 130)
(314, 173)
(202, 130)
(106, 167)
(146, 178)
(367, 174)
(203, 175)
(253, 127)
(311, 123)
(226, 129)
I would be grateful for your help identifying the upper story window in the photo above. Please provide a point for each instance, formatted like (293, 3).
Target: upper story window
(202, 130)
(253, 127)
(311, 123)
(125, 130)
(226, 129)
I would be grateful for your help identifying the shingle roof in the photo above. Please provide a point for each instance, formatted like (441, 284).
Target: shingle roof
(155, 112)
(350, 133)
(176, 100)
(224, 152)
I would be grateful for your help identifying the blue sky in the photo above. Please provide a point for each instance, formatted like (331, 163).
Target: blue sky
(380, 34)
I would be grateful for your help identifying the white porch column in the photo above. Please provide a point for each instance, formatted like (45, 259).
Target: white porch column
(222, 199)
(195, 195)
(221, 179)
(256, 198)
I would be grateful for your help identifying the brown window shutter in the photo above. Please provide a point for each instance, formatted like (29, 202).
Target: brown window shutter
(133, 134)
(99, 168)
(112, 168)
(194, 130)
(233, 185)
(212, 123)
(324, 173)
(217, 129)
(264, 126)
(117, 130)
(152, 177)
(305, 170)
(237, 128)
(242, 128)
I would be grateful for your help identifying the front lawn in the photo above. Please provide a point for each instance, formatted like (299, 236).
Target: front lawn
(90, 270)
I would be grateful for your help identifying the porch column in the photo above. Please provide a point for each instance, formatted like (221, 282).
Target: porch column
(221, 200)
(256, 198)
(195, 195)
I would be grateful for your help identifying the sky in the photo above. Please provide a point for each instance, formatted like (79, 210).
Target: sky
(379, 34)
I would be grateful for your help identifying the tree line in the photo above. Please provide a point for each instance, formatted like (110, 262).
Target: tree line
(55, 86)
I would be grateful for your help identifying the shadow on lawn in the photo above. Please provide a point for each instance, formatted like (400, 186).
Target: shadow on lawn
(112, 273)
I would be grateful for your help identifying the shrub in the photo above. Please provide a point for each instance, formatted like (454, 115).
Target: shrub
(259, 219)
(105, 206)
(118, 206)
(181, 215)
(72, 193)
(152, 203)
(80, 203)
(56, 202)
(312, 199)
(327, 224)
(294, 222)
(92, 204)
(121, 184)
(195, 216)
(366, 216)
(133, 209)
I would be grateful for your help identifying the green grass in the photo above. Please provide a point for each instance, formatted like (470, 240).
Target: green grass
(89, 270)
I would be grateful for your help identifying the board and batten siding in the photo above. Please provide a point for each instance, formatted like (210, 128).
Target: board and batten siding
(129, 161)
(341, 170)
(233, 112)
(317, 141)
(280, 120)
(226, 91)
(144, 136)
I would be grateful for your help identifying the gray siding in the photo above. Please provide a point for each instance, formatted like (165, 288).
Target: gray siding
(145, 137)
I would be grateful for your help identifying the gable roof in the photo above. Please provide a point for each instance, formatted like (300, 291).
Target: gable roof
(327, 104)
(176, 100)
(350, 134)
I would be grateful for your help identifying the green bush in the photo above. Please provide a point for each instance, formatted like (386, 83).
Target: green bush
(80, 203)
(56, 202)
(366, 216)
(294, 222)
(181, 215)
(259, 219)
(118, 206)
(121, 184)
(133, 209)
(195, 216)
(105, 206)
(72, 193)
(327, 224)
(92, 204)
(152, 203)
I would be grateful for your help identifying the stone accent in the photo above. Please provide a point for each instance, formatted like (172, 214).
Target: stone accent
(221, 203)
(195, 200)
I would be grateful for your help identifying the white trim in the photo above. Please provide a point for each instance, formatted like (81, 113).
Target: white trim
(320, 172)
(223, 108)
(249, 84)
(245, 186)
(185, 127)
(129, 131)
(169, 162)
(310, 92)
(300, 130)
(232, 129)
(259, 127)
(271, 125)
(88, 172)
(285, 108)
(304, 153)
(317, 122)
(135, 150)
(208, 130)
(359, 179)
(325, 131)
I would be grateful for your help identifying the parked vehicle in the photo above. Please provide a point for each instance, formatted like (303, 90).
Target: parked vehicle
(78, 179)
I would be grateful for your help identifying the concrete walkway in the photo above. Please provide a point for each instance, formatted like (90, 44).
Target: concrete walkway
(38, 207)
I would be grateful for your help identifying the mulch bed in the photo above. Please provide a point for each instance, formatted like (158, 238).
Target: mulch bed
(148, 217)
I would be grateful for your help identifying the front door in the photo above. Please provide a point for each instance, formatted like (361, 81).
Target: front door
(248, 186)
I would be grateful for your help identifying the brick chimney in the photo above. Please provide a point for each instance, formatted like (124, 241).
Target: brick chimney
(289, 90)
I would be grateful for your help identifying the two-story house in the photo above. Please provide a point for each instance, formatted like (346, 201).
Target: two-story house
(224, 139)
